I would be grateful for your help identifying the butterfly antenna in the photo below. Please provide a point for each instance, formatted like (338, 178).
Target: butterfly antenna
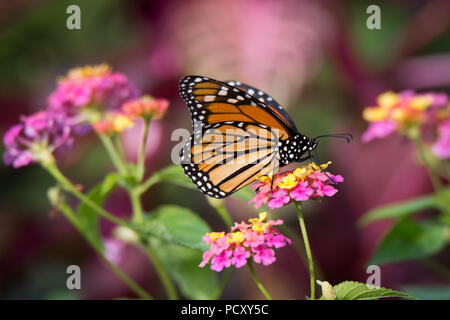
(347, 136)
(318, 163)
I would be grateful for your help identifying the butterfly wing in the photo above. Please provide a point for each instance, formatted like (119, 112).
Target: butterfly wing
(223, 158)
(211, 101)
(267, 100)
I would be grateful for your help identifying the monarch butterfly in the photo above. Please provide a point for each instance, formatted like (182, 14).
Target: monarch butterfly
(239, 134)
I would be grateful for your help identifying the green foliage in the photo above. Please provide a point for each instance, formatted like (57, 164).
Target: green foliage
(399, 209)
(410, 240)
(175, 233)
(176, 225)
(88, 218)
(174, 174)
(351, 290)
(182, 266)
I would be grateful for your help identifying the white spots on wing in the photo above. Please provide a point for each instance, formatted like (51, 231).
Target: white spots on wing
(231, 100)
(240, 98)
(209, 98)
(222, 93)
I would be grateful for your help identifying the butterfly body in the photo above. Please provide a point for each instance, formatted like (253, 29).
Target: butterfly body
(239, 134)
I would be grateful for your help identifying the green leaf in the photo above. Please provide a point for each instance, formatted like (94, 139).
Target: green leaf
(182, 265)
(175, 174)
(352, 290)
(429, 292)
(410, 240)
(399, 210)
(177, 225)
(88, 218)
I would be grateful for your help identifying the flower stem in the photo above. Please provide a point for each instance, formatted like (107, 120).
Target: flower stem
(119, 147)
(298, 245)
(67, 185)
(435, 180)
(138, 218)
(141, 156)
(171, 291)
(130, 283)
(223, 284)
(298, 206)
(258, 283)
(113, 154)
(219, 205)
(148, 183)
(135, 198)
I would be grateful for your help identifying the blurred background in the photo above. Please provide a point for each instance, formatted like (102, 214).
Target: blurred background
(317, 58)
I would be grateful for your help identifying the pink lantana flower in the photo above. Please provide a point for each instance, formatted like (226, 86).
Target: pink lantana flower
(441, 148)
(308, 182)
(85, 92)
(146, 107)
(255, 240)
(404, 111)
(36, 137)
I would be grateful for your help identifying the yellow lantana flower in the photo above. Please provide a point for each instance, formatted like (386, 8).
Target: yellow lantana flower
(236, 237)
(288, 182)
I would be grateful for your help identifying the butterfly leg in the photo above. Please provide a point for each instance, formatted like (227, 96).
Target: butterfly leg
(317, 162)
(273, 171)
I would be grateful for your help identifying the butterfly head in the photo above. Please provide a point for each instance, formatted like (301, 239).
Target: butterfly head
(312, 144)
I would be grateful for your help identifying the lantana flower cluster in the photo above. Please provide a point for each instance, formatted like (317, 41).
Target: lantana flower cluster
(91, 96)
(145, 107)
(301, 184)
(255, 240)
(408, 113)
(95, 86)
(36, 137)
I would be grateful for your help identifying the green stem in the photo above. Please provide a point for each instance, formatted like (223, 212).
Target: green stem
(119, 148)
(138, 218)
(141, 156)
(171, 291)
(113, 154)
(130, 283)
(67, 185)
(298, 206)
(223, 284)
(223, 213)
(258, 283)
(148, 183)
(293, 235)
(138, 214)
(435, 180)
